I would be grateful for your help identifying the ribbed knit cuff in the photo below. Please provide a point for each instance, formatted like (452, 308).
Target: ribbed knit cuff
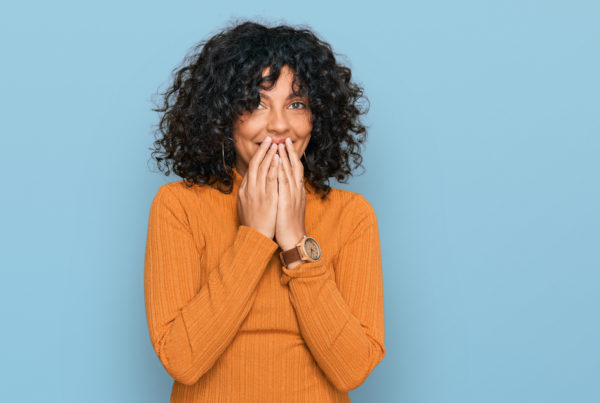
(260, 240)
(304, 270)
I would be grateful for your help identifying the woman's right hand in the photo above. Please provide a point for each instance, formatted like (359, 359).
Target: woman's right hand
(257, 195)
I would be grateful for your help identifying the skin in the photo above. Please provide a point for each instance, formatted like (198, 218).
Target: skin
(272, 196)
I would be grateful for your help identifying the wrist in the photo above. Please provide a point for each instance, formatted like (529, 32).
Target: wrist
(289, 244)
(305, 250)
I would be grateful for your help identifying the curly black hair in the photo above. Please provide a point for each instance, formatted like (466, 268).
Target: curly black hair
(220, 80)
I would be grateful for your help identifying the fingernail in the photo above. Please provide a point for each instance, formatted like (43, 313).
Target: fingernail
(268, 138)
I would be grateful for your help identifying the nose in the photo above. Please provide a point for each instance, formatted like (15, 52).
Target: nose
(277, 124)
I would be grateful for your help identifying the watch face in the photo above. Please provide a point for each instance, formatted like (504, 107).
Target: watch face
(312, 249)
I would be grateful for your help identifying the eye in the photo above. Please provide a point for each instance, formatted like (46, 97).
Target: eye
(299, 103)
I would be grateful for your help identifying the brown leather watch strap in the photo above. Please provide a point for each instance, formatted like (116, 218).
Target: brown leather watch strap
(290, 256)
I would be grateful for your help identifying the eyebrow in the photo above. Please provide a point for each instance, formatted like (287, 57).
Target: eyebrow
(290, 96)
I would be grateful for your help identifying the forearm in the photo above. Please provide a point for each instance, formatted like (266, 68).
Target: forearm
(190, 332)
(340, 344)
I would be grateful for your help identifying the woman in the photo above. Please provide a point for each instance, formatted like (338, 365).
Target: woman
(262, 283)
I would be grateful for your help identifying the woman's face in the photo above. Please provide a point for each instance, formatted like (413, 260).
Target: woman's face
(277, 116)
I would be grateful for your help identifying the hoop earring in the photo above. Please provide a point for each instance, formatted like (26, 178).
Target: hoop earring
(223, 155)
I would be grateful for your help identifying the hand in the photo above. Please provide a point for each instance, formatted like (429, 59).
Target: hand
(257, 195)
(289, 226)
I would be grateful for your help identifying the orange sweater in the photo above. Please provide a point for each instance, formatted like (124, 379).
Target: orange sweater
(230, 324)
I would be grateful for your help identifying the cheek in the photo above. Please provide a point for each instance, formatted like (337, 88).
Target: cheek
(244, 149)
(250, 126)
(303, 124)
(244, 141)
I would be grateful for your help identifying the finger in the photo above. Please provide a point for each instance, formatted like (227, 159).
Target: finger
(295, 162)
(265, 166)
(244, 181)
(271, 185)
(256, 160)
(287, 169)
(281, 180)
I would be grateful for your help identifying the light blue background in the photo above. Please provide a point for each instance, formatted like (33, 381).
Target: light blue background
(482, 165)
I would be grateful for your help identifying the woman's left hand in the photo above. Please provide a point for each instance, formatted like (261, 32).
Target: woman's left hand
(289, 225)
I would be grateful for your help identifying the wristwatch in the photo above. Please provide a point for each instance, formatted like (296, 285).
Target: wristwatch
(307, 250)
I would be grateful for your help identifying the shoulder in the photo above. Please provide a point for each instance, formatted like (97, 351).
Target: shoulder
(350, 213)
(352, 207)
(180, 189)
(176, 197)
(167, 202)
(168, 193)
(181, 192)
(353, 202)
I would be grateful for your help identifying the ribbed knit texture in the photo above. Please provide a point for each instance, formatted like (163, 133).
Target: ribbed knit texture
(230, 324)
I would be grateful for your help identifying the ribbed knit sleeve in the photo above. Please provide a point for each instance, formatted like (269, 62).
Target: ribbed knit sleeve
(190, 329)
(342, 319)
